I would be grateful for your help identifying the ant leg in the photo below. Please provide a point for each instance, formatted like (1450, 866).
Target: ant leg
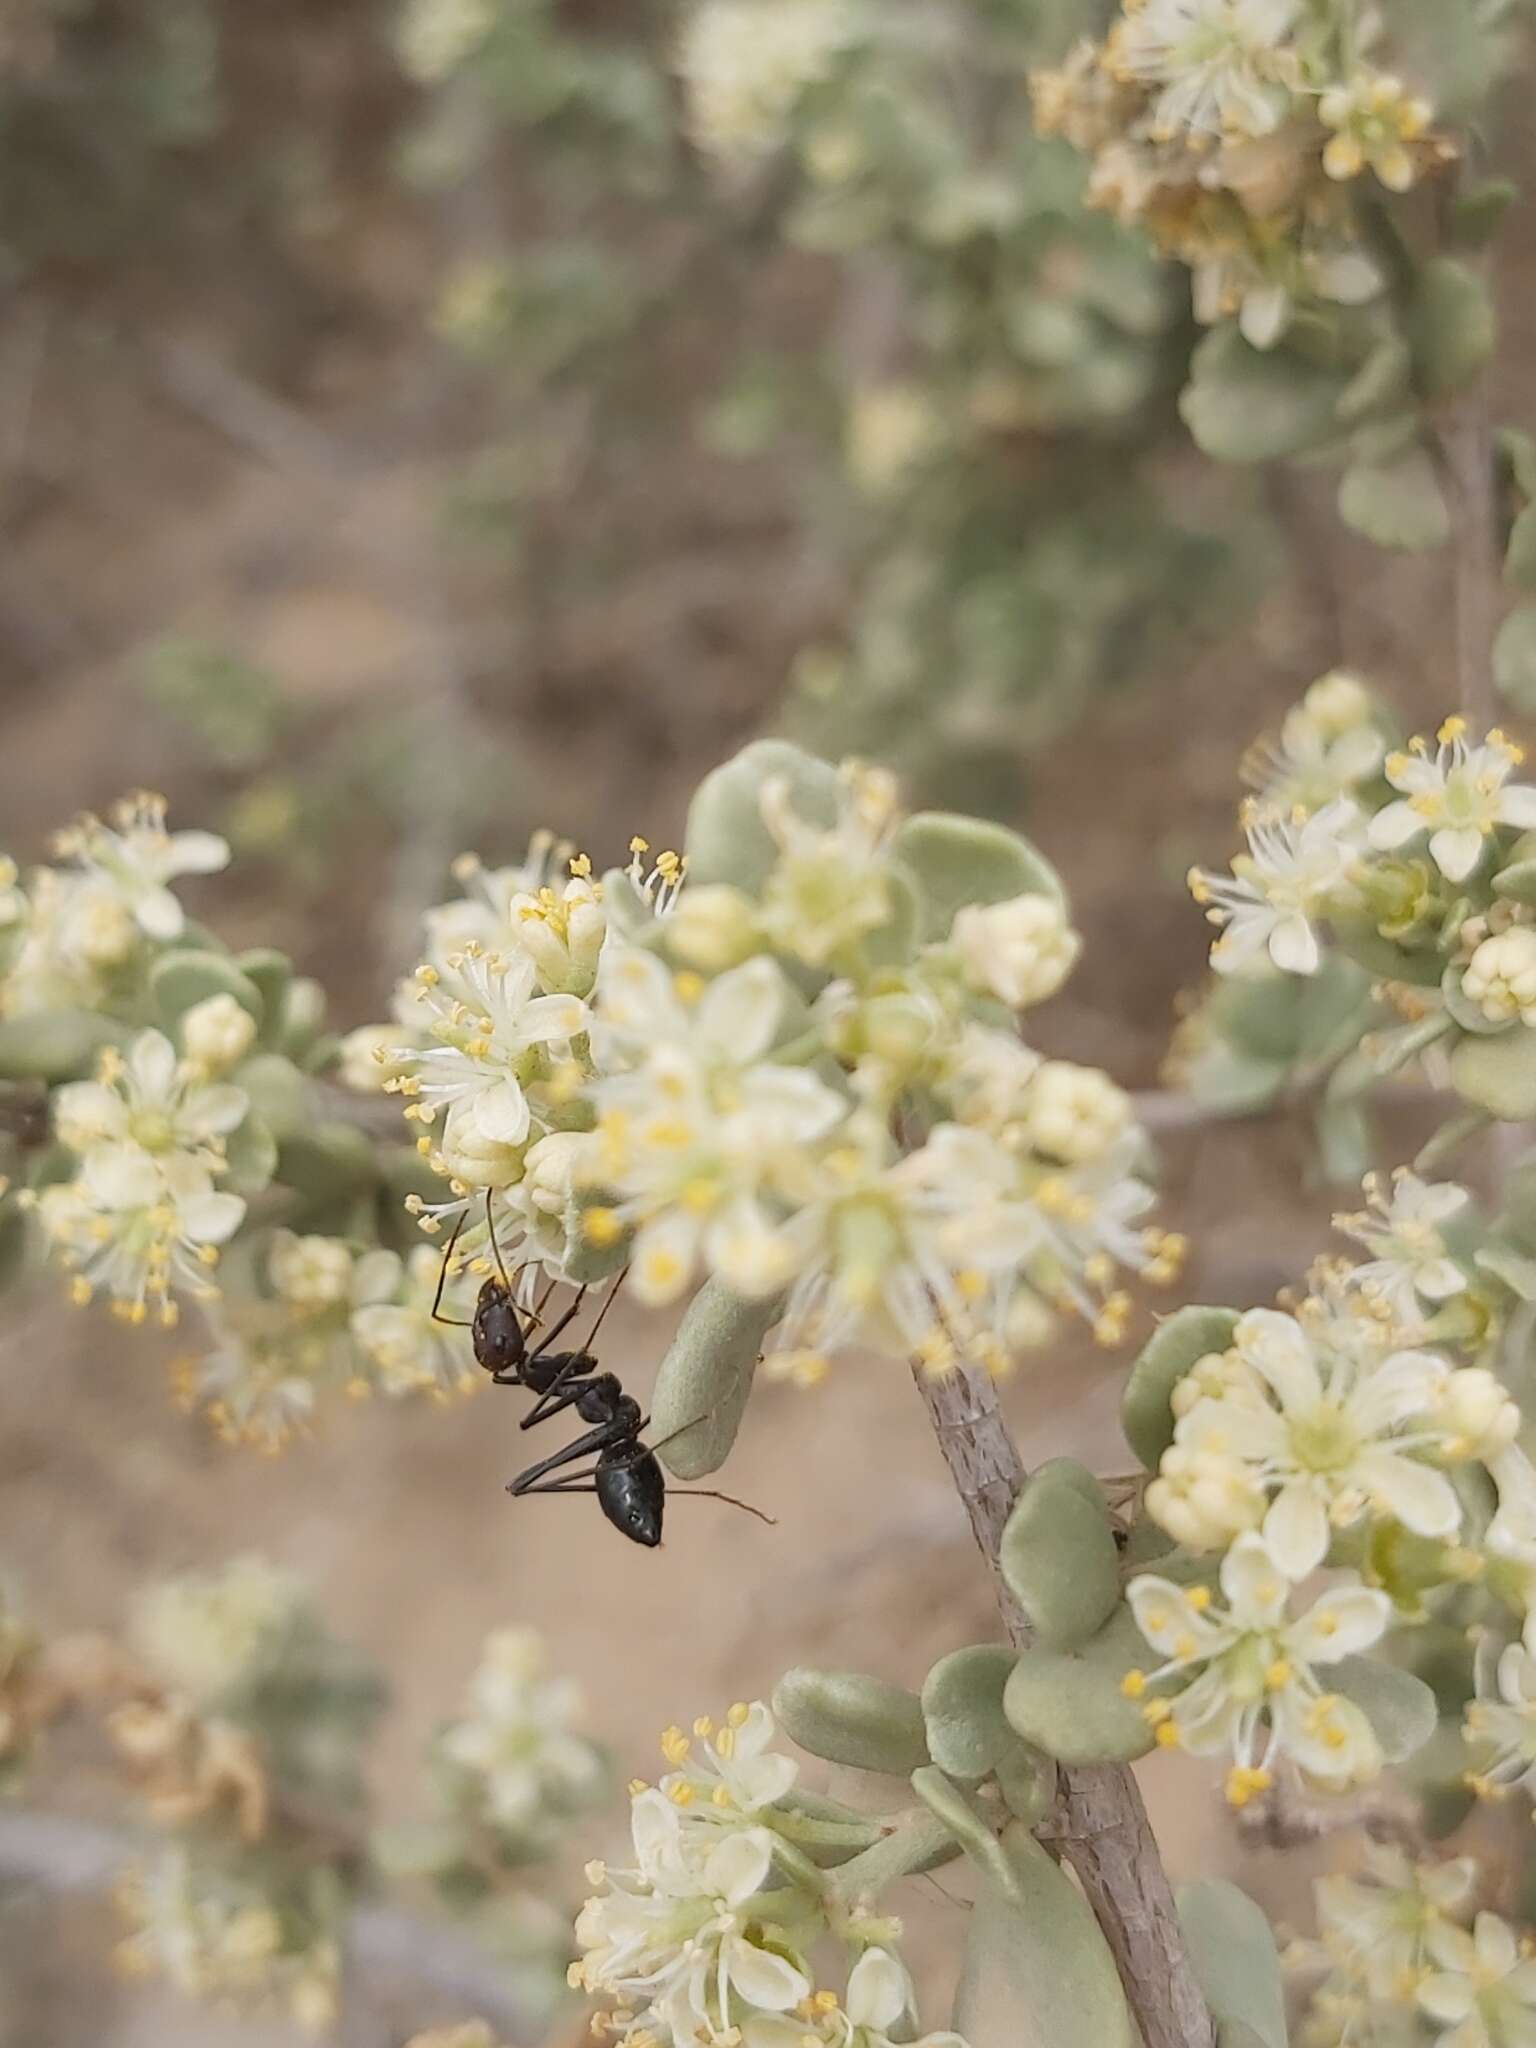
(594, 1440)
(453, 1322)
(613, 1294)
(563, 1391)
(561, 1324)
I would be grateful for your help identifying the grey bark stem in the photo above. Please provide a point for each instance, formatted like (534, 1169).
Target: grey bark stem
(1101, 1825)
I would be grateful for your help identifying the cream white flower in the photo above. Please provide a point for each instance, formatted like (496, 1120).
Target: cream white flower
(1251, 1688)
(140, 1228)
(1276, 891)
(1459, 795)
(1500, 1723)
(367, 1062)
(1483, 1988)
(437, 36)
(409, 1351)
(1074, 1113)
(879, 1998)
(493, 1037)
(217, 1033)
(676, 1940)
(1376, 120)
(313, 1273)
(697, 1124)
(137, 859)
(1328, 746)
(205, 1633)
(1021, 951)
(1501, 977)
(731, 1772)
(1327, 1444)
(225, 1942)
(831, 885)
(150, 1103)
(1221, 65)
(1374, 1934)
(746, 63)
(519, 1738)
(1403, 1228)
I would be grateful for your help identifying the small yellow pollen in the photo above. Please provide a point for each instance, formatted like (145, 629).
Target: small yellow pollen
(1134, 1684)
(1199, 1597)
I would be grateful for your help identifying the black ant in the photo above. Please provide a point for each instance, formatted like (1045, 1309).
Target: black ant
(626, 1474)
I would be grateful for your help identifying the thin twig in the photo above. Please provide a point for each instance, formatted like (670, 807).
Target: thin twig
(1101, 1823)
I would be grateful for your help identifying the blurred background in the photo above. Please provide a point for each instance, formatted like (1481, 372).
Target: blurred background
(417, 427)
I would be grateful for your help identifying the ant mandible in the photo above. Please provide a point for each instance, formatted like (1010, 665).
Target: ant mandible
(625, 1474)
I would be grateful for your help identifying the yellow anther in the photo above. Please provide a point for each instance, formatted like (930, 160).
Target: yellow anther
(1278, 1675)
(739, 1714)
(600, 1226)
(703, 1727)
(1134, 1684)
(1199, 1597)
(1167, 1735)
(675, 1746)
(1452, 729)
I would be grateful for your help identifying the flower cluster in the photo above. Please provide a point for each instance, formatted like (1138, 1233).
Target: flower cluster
(1411, 858)
(227, 1942)
(142, 1214)
(515, 1759)
(789, 1087)
(1244, 136)
(1413, 863)
(1245, 1670)
(746, 63)
(709, 1937)
(1363, 1429)
(81, 934)
(1385, 1939)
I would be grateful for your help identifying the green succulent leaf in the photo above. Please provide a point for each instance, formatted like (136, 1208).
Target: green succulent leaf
(326, 1163)
(1515, 1269)
(918, 1842)
(1517, 882)
(1232, 1952)
(1396, 504)
(1244, 404)
(1520, 555)
(1178, 1342)
(1514, 657)
(847, 1718)
(185, 977)
(706, 1378)
(955, 861)
(1058, 1555)
(279, 1094)
(269, 972)
(53, 1045)
(1400, 1708)
(727, 840)
(1477, 211)
(963, 1710)
(1498, 1075)
(1450, 326)
(1068, 1703)
(1037, 1971)
(251, 1158)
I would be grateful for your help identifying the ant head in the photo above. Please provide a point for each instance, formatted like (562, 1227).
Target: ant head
(633, 1495)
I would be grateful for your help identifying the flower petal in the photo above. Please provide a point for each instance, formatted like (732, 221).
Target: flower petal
(196, 853)
(500, 1113)
(1396, 825)
(762, 1978)
(1422, 1499)
(1296, 1529)
(1456, 851)
(879, 1991)
(1339, 1624)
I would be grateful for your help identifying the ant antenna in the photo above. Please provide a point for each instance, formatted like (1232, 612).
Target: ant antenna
(490, 1224)
(708, 1493)
(613, 1293)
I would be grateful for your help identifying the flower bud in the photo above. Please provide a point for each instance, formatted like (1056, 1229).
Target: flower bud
(468, 1155)
(85, 1113)
(1020, 952)
(312, 1273)
(1337, 703)
(1477, 1414)
(1075, 1113)
(1204, 1500)
(100, 929)
(1501, 977)
(365, 1063)
(712, 927)
(218, 1033)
